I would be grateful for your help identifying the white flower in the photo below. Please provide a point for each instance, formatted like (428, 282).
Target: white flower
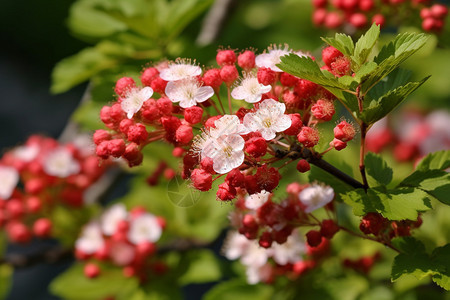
(26, 153)
(268, 119)
(179, 70)
(226, 152)
(250, 90)
(271, 58)
(135, 99)
(250, 253)
(289, 252)
(111, 217)
(144, 228)
(9, 178)
(188, 92)
(316, 196)
(255, 201)
(259, 274)
(91, 239)
(60, 163)
(228, 125)
(235, 245)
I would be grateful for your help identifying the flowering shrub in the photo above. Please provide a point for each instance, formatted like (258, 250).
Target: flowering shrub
(274, 146)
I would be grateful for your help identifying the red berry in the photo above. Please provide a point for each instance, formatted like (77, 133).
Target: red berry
(266, 76)
(42, 227)
(229, 74)
(246, 60)
(212, 78)
(328, 228)
(319, 3)
(226, 192)
(378, 19)
(265, 240)
(193, 114)
(149, 75)
(308, 136)
(124, 85)
(358, 20)
(344, 131)
(329, 55)
(439, 11)
(313, 238)
(101, 135)
(91, 270)
(323, 110)
(201, 180)
(333, 20)
(296, 124)
(303, 166)
(319, 16)
(225, 57)
(184, 134)
(256, 147)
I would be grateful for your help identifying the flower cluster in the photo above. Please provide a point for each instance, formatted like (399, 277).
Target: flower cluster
(39, 175)
(277, 117)
(121, 238)
(264, 264)
(352, 15)
(384, 229)
(412, 134)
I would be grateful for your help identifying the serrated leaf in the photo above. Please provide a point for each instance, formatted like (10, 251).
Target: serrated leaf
(378, 169)
(365, 44)
(434, 182)
(398, 204)
(306, 68)
(342, 42)
(392, 55)
(72, 284)
(397, 78)
(238, 289)
(365, 71)
(375, 110)
(439, 160)
(360, 202)
(419, 265)
(409, 245)
(441, 257)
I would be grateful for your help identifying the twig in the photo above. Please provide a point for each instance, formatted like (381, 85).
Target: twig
(49, 255)
(214, 22)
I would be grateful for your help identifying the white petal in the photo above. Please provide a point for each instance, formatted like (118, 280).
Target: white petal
(172, 91)
(144, 228)
(282, 123)
(236, 142)
(9, 178)
(185, 103)
(111, 217)
(239, 93)
(267, 134)
(204, 93)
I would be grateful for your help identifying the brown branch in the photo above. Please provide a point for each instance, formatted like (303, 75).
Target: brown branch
(49, 255)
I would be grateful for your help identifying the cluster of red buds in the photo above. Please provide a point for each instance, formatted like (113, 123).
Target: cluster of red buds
(351, 15)
(278, 118)
(412, 135)
(267, 239)
(384, 229)
(39, 175)
(124, 239)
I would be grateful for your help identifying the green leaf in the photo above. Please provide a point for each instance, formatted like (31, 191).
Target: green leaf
(78, 68)
(392, 55)
(375, 110)
(306, 68)
(86, 20)
(203, 266)
(398, 204)
(6, 273)
(238, 289)
(342, 42)
(181, 13)
(434, 182)
(441, 257)
(439, 160)
(378, 169)
(394, 80)
(365, 44)
(72, 284)
(414, 260)
(364, 71)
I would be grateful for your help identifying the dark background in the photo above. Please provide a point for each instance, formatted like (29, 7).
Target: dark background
(33, 39)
